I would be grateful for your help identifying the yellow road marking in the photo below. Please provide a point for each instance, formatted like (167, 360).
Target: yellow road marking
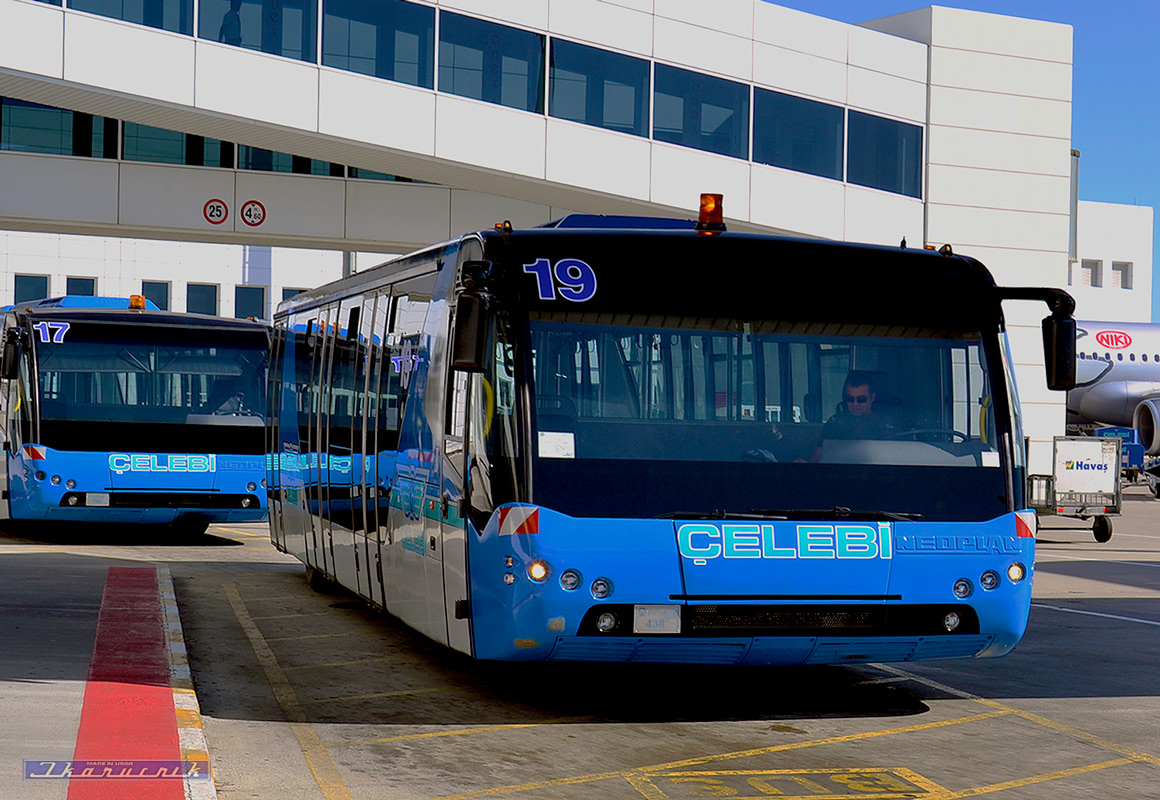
(1020, 782)
(463, 731)
(643, 775)
(318, 760)
(380, 695)
(321, 636)
(243, 533)
(1082, 735)
(310, 614)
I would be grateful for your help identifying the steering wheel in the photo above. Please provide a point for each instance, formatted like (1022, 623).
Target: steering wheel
(932, 435)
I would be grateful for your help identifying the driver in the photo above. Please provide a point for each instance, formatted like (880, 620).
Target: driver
(855, 417)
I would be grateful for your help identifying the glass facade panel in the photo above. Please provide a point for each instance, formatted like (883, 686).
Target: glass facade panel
(168, 15)
(798, 134)
(33, 128)
(84, 287)
(256, 158)
(598, 88)
(161, 146)
(700, 111)
(287, 292)
(885, 154)
(388, 39)
(250, 301)
(50, 2)
(158, 292)
(29, 287)
(201, 298)
(282, 27)
(491, 62)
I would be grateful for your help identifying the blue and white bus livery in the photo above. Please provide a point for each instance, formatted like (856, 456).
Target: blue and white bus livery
(614, 440)
(118, 412)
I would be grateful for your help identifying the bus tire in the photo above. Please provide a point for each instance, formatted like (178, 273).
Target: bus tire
(1102, 529)
(317, 580)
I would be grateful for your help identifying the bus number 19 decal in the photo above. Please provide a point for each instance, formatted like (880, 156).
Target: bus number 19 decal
(573, 279)
(51, 331)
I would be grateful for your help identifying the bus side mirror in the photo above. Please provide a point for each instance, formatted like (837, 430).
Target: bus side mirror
(469, 347)
(1059, 352)
(10, 355)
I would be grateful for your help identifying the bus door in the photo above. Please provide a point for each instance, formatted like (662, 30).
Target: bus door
(341, 471)
(381, 438)
(454, 533)
(274, 438)
(414, 576)
(317, 547)
(362, 430)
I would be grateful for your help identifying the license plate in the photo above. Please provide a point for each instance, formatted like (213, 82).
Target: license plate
(656, 619)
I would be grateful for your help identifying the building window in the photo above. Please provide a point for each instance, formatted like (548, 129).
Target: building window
(1121, 274)
(1091, 272)
(158, 292)
(83, 287)
(282, 27)
(168, 15)
(50, 2)
(599, 88)
(491, 62)
(287, 293)
(700, 111)
(795, 133)
(161, 146)
(885, 154)
(33, 128)
(250, 301)
(256, 158)
(388, 39)
(30, 287)
(201, 298)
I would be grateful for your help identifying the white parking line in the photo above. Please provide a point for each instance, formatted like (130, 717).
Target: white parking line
(1097, 614)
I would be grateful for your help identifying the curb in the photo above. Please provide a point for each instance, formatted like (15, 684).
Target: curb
(189, 727)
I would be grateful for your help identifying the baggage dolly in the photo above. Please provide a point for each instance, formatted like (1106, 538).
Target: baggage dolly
(1085, 482)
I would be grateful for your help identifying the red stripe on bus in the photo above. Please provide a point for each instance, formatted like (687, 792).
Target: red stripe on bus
(128, 711)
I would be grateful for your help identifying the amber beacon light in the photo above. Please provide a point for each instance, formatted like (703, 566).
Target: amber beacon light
(711, 218)
(137, 301)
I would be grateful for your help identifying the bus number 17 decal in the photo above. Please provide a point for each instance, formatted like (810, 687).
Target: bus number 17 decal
(573, 279)
(51, 331)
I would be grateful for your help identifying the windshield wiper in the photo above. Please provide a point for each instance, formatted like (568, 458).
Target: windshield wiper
(837, 512)
(721, 513)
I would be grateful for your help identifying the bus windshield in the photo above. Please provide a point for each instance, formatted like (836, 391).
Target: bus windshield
(701, 416)
(192, 378)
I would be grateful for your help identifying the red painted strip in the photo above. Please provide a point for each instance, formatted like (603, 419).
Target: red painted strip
(128, 707)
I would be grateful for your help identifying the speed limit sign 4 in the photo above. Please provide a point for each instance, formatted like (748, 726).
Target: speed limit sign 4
(253, 213)
(215, 211)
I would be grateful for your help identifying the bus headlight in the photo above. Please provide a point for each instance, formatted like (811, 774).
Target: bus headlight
(989, 579)
(963, 588)
(570, 579)
(538, 571)
(40, 475)
(251, 487)
(70, 484)
(1016, 572)
(951, 621)
(601, 588)
(55, 480)
(606, 622)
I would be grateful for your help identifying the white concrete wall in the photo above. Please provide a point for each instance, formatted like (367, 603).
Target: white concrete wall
(1109, 233)
(120, 265)
(74, 60)
(999, 167)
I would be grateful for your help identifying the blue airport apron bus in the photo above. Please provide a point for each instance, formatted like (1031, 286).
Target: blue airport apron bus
(606, 439)
(117, 412)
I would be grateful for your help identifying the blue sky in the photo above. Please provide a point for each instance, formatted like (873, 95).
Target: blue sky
(1115, 87)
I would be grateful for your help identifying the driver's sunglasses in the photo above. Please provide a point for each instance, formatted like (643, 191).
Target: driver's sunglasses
(860, 399)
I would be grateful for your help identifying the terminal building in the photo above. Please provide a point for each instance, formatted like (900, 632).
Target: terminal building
(221, 155)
